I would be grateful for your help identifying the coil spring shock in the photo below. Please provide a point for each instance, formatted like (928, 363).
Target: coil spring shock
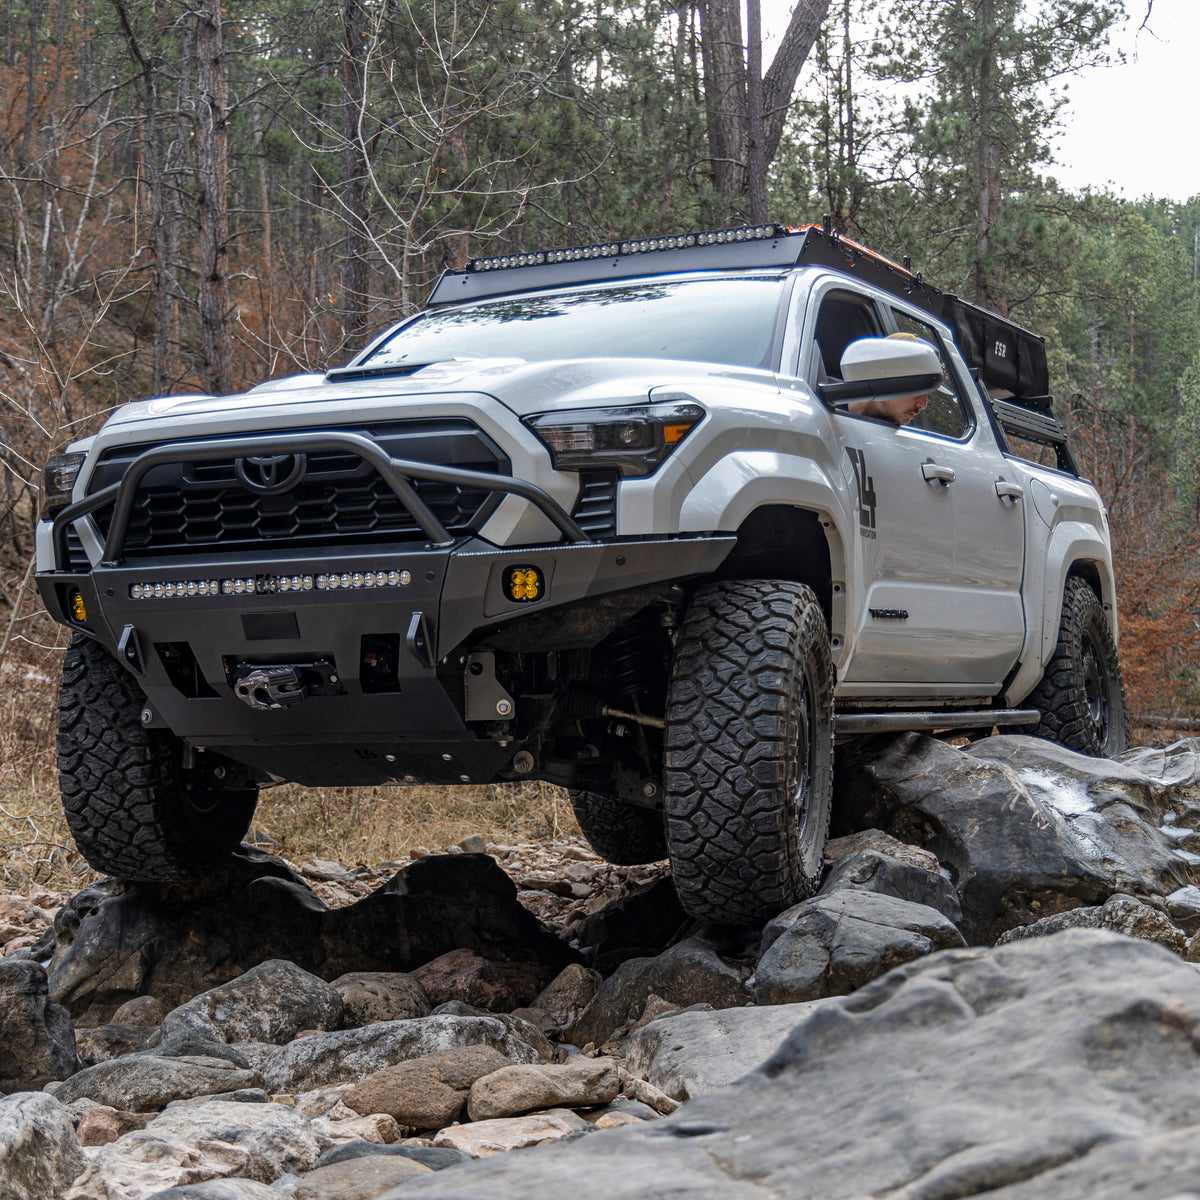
(628, 658)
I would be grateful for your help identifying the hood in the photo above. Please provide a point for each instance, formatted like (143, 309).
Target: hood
(522, 387)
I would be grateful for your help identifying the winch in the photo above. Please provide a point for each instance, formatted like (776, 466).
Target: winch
(272, 686)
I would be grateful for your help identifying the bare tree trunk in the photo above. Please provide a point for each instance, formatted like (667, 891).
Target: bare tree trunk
(354, 176)
(163, 212)
(756, 161)
(265, 272)
(725, 100)
(989, 285)
(746, 110)
(212, 166)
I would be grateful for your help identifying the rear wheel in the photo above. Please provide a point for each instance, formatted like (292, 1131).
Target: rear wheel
(133, 807)
(1081, 696)
(749, 750)
(619, 833)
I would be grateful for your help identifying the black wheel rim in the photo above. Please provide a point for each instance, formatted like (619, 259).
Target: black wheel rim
(1095, 688)
(802, 797)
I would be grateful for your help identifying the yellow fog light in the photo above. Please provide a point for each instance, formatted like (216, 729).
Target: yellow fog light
(78, 608)
(523, 584)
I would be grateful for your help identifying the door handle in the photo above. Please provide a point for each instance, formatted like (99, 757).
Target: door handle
(936, 473)
(1009, 493)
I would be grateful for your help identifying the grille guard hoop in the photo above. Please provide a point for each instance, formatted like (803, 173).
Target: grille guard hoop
(396, 473)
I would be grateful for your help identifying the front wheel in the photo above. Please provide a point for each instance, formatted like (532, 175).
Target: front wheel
(133, 807)
(749, 750)
(1081, 696)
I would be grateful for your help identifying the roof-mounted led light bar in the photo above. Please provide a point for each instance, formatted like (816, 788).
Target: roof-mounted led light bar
(647, 245)
(746, 246)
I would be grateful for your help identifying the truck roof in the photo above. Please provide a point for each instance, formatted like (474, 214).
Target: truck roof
(1011, 360)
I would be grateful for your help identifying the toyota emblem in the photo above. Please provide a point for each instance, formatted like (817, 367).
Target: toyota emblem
(270, 474)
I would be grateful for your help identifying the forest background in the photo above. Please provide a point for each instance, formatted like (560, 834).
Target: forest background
(201, 195)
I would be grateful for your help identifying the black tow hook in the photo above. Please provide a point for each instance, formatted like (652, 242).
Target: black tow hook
(270, 688)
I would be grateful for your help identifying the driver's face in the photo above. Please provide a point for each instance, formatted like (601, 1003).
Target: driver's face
(904, 409)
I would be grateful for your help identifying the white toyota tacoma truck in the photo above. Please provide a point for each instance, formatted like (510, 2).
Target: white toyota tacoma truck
(618, 517)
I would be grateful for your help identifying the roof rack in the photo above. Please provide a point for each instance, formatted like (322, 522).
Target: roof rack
(1009, 358)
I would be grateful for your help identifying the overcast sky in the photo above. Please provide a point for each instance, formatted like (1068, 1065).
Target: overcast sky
(1131, 128)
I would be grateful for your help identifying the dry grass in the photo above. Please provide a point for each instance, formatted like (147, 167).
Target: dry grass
(380, 824)
(356, 826)
(35, 846)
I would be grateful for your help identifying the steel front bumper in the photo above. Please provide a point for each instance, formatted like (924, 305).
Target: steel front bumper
(194, 629)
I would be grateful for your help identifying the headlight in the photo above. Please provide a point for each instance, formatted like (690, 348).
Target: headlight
(58, 479)
(635, 440)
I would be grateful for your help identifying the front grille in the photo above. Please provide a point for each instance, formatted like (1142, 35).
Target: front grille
(188, 505)
(595, 510)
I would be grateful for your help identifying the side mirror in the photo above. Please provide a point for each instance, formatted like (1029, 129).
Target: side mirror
(882, 368)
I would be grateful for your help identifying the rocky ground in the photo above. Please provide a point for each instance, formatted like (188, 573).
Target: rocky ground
(994, 991)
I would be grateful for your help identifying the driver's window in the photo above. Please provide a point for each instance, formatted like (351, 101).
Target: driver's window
(945, 412)
(843, 317)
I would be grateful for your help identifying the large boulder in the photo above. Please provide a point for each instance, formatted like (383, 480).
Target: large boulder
(37, 1043)
(39, 1154)
(427, 1092)
(871, 870)
(351, 1054)
(1052, 1067)
(639, 923)
(187, 1144)
(370, 996)
(834, 943)
(510, 1091)
(147, 1082)
(271, 1002)
(1027, 828)
(691, 972)
(1121, 914)
(115, 941)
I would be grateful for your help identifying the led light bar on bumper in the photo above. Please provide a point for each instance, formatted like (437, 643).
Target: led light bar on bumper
(635, 439)
(267, 585)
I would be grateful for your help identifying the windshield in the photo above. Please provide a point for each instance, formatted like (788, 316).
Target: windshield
(721, 320)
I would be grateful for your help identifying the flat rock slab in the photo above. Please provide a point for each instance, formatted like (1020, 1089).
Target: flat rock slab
(482, 1139)
(1052, 1067)
(358, 1179)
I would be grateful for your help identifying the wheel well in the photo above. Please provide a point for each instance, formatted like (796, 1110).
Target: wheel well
(783, 542)
(1090, 575)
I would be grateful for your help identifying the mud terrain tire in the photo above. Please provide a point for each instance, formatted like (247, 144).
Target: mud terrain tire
(619, 833)
(1081, 695)
(134, 810)
(749, 750)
